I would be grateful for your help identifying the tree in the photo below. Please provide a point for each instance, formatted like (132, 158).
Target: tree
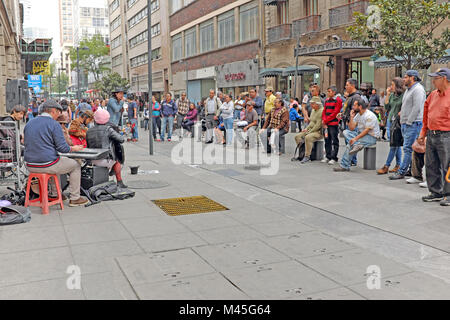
(57, 85)
(91, 60)
(109, 82)
(404, 30)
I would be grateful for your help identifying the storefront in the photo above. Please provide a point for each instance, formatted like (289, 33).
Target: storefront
(238, 77)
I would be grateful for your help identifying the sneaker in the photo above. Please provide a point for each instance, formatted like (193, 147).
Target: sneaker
(395, 169)
(305, 160)
(120, 184)
(413, 180)
(340, 169)
(81, 201)
(423, 184)
(325, 160)
(356, 149)
(445, 202)
(210, 141)
(383, 170)
(397, 176)
(433, 197)
(332, 162)
(354, 164)
(169, 139)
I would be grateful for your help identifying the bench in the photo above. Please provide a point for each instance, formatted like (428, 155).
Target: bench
(317, 152)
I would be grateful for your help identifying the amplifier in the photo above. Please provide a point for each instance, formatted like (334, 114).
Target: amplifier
(93, 175)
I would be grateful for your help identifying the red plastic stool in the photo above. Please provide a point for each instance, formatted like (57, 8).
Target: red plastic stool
(43, 201)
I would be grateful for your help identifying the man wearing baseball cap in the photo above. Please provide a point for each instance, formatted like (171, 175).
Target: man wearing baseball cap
(44, 139)
(411, 117)
(436, 127)
(270, 99)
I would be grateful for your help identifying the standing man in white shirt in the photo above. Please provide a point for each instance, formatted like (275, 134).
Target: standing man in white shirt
(212, 106)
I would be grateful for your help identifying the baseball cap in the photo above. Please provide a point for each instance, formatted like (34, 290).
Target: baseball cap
(442, 72)
(413, 73)
(268, 89)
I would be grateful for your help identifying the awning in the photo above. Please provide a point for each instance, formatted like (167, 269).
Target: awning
(272, 2)
(336, 48)
(304, 69)
(270, 72)
(384, 62)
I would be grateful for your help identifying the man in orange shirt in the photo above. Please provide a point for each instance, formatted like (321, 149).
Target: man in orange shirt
(436, 127)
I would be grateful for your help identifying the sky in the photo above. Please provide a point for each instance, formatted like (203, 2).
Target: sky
(44, 14)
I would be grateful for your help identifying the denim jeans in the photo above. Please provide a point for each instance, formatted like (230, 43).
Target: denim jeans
(156, 125)
(163, 129)
(237, 114)
(366, 141)
(410, 134)
(136, 128)
(353, 158)
(388, 129)
(228, 124)
(394, 152)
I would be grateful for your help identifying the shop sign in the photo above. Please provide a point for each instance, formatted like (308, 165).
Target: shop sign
(235, 76)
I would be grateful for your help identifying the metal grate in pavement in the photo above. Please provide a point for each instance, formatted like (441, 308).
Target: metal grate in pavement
(188, 205)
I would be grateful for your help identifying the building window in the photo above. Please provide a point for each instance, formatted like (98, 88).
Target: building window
(188, 2)
(98, 22)
(154, 5)
(116, 42)
(282, 12)
(226, 29)
(117, 60)
(175, 5)
(115, 23)
(138, 17)
(207, 36)
(130, 3)
(177, 48)
(139, 60)
(156, 54)
(85, 12)
(140, 38)
(156, 30)
(249, 22)
(311, 7)
(190, 42)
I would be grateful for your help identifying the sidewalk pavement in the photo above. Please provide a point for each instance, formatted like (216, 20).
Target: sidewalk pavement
(305, 233)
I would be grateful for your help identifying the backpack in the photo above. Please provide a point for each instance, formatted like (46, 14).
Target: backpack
(14, 214)
(301, 152)
(109, 191)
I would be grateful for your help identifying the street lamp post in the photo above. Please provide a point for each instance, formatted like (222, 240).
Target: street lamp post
(78, 71)
(150, 78)
(187, 79)
(59, 81)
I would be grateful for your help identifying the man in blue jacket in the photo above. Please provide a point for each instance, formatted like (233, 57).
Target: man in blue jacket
(115, 106)
(168, 112)
(43, 139)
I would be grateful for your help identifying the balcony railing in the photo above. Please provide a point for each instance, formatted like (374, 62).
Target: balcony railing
(306, 25)
(280, 33)
(343, 15)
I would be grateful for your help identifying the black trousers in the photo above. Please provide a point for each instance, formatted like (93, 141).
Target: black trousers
(156, 125)
(332, 143)
(437, 162)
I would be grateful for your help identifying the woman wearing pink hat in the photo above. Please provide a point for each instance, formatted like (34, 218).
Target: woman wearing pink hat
(103, 136)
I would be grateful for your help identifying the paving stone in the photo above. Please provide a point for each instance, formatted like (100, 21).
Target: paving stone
(36, 265)
(148, 227)
(281, 227)
(171, 242)
(38, 220)
(141, 209)
(31, 239)
(96, 232)
(207, 221)
(239, 254)
(284, 280)
(106, 286)
(205, 287)
(230, 234)
(438, 267)
(307, 244)
(95, 213)
(411, 286)
(41, 290)
(353, 266)
(99, 257)
(171, 265)
(333, 294)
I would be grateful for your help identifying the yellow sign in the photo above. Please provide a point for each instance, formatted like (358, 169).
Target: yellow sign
(41, 67)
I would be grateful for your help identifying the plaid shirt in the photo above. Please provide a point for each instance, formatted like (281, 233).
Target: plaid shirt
(278, 121)
(183, 106)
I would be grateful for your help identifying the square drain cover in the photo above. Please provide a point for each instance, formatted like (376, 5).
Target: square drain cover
(188, 205)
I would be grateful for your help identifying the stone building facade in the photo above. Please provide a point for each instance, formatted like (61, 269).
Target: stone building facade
(11, 13)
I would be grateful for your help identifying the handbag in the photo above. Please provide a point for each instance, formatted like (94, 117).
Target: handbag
(396, 138)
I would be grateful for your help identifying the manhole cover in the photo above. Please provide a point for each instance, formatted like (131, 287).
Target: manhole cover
(146, 184)
(255, 167)
(188, 205)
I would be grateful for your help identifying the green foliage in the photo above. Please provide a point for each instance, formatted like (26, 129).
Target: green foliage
(57, 85)
(109, 82)
(91, 59)
(411, 32)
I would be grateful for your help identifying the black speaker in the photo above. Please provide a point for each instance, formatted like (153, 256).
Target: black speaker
(93, 175)
(16, 93)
